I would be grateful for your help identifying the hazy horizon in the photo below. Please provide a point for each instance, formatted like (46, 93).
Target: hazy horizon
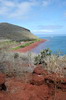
(50, 35)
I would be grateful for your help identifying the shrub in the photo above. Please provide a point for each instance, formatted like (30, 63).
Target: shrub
(16, 63)
(54, 63)
(16, 55)
(40, 59)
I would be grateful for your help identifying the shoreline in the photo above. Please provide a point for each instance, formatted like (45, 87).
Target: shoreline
(31, 46)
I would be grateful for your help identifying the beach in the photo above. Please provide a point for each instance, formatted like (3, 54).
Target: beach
(31, 46)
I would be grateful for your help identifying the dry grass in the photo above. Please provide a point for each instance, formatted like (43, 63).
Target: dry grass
(56, 64)
(5, 44)
(16, 63)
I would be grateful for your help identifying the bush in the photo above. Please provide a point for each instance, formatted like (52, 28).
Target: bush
(16, 55)
(16, 63)
(40, 59)
(53, 63)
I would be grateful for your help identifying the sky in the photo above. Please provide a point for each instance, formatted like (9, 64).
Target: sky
(42, 17)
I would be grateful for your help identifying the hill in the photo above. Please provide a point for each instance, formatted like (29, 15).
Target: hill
(14, 32)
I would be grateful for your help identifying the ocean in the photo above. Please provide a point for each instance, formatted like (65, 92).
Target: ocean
(56, 43)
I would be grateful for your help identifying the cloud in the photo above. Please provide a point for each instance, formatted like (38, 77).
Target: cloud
(18, 8)
(42, 31)
(47, 29)
(21, 8)
(15, 9)
(9, 4)
(46, 2)
(51, 27)
(59, 3)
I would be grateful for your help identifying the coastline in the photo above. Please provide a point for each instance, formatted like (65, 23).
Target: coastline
(31, 46)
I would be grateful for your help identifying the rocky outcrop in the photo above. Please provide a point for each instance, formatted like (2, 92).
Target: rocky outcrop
(37, 80)
(40, 85)
(39, 70)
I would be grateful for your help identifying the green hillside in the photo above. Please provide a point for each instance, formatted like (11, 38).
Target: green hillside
(14, 32)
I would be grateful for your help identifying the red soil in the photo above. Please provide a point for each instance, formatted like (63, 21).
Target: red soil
(31, 46)
(40, 86)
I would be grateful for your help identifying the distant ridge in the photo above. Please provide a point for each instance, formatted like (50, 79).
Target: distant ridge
(14, 32)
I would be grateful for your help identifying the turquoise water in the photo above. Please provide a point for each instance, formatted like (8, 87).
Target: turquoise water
(56, 44)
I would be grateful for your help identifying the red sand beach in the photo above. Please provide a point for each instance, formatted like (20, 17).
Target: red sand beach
(31, 46)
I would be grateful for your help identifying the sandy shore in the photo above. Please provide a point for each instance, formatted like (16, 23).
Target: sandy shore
(31, 46)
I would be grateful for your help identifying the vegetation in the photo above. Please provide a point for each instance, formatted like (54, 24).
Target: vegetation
(40, 59)
(51, 62)
(8, 44)
(5, 44)
(26, 44)
(19, 63)
(16, 63)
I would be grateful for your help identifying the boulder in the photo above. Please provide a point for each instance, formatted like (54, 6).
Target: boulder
(40, 70)
(37, 79)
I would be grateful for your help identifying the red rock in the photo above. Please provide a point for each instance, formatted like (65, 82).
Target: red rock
(32, 92)
(40, 87)
(60, 95)
(40, 71)
(52, 81)
(26, 91)
(37, 79)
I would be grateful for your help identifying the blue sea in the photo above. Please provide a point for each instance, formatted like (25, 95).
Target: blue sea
(55, 43)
